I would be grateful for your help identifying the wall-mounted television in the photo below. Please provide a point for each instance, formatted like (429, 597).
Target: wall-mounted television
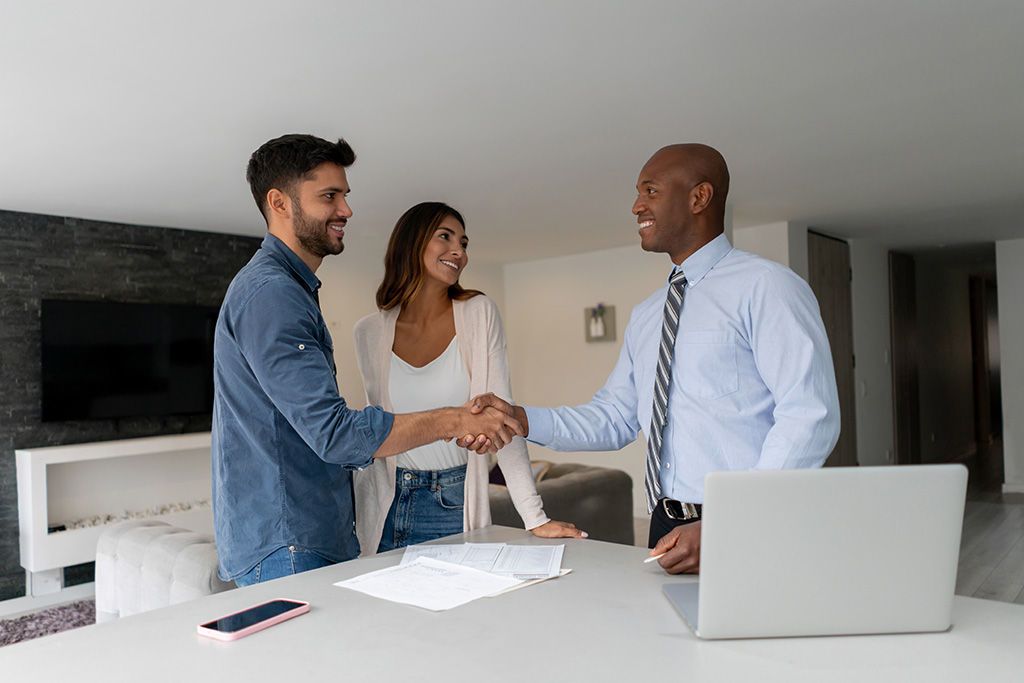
(105, 359)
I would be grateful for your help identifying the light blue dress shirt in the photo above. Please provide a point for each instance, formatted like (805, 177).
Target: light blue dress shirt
(753, 385)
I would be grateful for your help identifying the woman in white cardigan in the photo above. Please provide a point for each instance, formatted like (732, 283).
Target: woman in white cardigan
(431, 344)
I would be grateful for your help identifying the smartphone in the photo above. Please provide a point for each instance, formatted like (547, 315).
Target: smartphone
(252, 619)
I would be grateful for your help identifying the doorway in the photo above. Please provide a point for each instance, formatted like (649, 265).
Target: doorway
(945, 353)
(828, 260)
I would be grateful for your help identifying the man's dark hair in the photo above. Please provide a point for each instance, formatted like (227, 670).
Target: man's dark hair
(282, 162)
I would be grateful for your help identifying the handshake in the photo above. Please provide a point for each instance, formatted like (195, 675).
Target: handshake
(489, 424)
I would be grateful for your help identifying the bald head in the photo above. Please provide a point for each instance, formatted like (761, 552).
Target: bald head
(680, 204)
(698, 164)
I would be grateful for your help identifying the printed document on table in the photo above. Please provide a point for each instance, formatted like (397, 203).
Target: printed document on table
(429, 584)
(476, 555)
(516, 561)
(529, 582)
(529, 561)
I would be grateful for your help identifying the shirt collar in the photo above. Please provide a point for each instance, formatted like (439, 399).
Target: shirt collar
(704, 259)
(282, 252)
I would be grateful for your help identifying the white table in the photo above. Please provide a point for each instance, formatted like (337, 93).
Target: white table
(606, 621)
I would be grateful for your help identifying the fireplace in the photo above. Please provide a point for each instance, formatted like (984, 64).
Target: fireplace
(68, 495)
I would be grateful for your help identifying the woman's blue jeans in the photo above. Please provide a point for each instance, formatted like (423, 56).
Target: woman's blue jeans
(427, 505)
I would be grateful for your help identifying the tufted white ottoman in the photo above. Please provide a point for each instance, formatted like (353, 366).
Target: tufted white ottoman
(145, 564)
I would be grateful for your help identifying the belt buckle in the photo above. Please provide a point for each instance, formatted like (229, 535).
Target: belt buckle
(678, 510)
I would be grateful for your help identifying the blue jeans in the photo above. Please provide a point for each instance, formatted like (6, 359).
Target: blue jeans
(282, 562)
(427, 505)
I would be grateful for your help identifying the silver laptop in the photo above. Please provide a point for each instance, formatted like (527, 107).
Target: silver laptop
(834, 551)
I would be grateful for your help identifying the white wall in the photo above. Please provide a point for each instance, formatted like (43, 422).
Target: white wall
(350, 282)
(871, 349)
(784, 243)
(798, 258)
(551, 362)
(489, 278)
(768, 241)
(1010, 273)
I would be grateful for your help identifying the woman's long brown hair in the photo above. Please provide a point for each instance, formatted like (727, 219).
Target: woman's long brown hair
(403, 261)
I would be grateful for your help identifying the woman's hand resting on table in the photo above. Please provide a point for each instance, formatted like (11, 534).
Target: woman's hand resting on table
(555, 529)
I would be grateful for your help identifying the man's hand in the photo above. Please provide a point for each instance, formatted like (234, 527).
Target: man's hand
(494, 429)
(480, 443)
(555, 529)
(681, 547)
(484, 401)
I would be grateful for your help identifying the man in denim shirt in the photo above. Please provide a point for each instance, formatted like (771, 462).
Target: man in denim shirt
(752, 384)
(284, 441)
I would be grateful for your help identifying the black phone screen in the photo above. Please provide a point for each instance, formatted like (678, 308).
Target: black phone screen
(253, 615)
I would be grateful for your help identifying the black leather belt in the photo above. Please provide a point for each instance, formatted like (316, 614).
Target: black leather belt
(675, 509)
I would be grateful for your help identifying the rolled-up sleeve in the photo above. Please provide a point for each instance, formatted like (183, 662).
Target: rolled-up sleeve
(293, 362)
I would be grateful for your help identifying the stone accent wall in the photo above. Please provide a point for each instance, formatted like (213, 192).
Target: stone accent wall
(45, 257)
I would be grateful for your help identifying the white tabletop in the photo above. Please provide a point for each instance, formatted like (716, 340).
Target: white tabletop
(608, 620)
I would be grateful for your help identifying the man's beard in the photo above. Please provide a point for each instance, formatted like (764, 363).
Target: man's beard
(313, 235)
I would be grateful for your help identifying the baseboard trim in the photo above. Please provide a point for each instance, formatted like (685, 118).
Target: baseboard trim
(17, 607)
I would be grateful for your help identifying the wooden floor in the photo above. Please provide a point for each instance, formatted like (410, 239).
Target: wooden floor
(992, 549)
(992, 543)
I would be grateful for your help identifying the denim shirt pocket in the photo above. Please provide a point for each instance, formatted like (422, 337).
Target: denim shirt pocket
(706, 363)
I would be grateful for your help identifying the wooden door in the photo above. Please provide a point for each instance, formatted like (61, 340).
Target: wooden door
(828, 261)
(905, 361)
(987, 469)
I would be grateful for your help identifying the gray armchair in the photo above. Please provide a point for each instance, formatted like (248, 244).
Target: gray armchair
(598, 500)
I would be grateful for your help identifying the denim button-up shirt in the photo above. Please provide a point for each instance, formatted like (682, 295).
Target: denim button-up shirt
(284, 441)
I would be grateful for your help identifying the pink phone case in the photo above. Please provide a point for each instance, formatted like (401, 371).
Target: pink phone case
(300, 608)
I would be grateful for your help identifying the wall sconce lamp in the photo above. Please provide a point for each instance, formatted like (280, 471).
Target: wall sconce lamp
(599, 323)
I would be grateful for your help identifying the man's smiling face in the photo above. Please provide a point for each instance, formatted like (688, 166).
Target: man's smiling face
(320, 210)
(662, 206)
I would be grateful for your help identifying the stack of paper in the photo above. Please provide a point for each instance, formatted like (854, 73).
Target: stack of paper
(439, 577)
(516, 561)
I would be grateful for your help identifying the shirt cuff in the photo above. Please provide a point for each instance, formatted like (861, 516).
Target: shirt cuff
(374, 431)
(542, 424)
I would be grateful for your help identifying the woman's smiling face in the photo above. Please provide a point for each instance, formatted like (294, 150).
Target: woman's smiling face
(445, 257)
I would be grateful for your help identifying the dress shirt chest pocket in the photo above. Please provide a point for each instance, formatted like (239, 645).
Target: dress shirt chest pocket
(706, 364)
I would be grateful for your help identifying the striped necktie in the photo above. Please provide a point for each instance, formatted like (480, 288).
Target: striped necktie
(673, 304)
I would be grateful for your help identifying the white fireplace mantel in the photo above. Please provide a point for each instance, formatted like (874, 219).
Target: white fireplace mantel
(58, 484)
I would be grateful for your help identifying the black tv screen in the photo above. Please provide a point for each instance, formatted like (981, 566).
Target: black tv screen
(104, 359)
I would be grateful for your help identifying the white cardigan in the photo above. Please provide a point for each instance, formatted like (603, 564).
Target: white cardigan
(482, 344)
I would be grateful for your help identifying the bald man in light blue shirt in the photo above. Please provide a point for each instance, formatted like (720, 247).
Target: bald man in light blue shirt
(752, 383)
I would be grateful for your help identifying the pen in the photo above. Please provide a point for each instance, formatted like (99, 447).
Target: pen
(652, 559)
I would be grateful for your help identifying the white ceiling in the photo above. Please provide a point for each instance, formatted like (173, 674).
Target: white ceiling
(899, 122)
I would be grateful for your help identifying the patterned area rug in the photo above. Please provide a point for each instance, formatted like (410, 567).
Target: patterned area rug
(47, 622)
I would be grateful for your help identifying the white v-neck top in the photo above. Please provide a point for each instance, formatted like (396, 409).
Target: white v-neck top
(443, 381)
(481, 341)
